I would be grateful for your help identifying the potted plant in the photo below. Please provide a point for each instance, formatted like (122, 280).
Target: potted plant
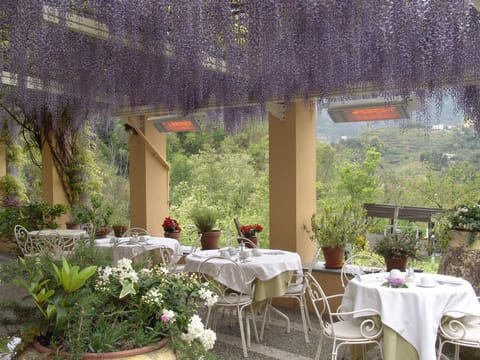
(99, 214)
(205, 219)
(396, 248)
(171, 228)
(464, 226)
(335, 226)
(250, 232)
(79, 308)
(74, 221)
(120, 221)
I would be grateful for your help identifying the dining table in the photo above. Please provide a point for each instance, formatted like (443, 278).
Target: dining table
(66, 234)
(129, 247)
(269, 269)
(410, 314)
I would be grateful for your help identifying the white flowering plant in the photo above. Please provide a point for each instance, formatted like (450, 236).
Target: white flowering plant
(98, 309)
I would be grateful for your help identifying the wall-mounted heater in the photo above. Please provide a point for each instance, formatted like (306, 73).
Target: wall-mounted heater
(374, 109)
(178, 122)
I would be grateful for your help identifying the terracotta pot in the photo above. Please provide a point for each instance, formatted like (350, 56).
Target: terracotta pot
(210, 239)
(119, 230)
(172, 235)
(102, 232)
(399, 263)
(110, 355)
(254, 239)
(334, 257)
(72, 226)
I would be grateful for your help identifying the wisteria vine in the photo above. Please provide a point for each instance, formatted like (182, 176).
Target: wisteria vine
(187, 54)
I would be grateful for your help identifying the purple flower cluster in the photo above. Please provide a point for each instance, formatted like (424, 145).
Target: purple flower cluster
(189, 54)
(395, 282)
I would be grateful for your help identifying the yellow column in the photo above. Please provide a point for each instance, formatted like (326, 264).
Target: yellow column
(148, 177)
(52, 187)
(292, 178)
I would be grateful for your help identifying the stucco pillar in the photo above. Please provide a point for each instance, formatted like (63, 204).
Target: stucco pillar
(52, 187)
(148, 177)
(292, 143)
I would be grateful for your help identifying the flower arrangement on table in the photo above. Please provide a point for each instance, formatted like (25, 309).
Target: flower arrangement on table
(250, 231)
(171, 225)
(395, 283)
(88, 309)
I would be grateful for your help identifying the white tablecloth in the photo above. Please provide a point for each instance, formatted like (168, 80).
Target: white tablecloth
(268, 265)
(414, 312)
(125, 248)
(69, 234)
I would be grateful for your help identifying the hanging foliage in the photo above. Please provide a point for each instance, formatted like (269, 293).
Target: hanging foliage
(96, 55)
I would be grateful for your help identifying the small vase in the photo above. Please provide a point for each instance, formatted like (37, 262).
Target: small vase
(172, 235)
(399, 263)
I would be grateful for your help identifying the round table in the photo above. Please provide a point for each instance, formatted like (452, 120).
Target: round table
(271, 270)
(414, 313)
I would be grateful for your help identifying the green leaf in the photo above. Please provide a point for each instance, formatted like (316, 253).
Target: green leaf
(127, 288)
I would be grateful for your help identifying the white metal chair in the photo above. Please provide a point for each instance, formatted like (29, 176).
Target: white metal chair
(136, 231)
(24, 241)
(213, 270)
(342, 327)
(358, 265)
(161, 256)
(297, 290)
(459, 329)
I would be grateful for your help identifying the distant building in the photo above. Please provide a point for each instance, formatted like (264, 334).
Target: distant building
(439, 127)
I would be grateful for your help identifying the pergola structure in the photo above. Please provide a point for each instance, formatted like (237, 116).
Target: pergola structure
(151, 58)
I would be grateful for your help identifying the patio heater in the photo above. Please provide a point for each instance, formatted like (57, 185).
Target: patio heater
(373, 109)
(178, 122)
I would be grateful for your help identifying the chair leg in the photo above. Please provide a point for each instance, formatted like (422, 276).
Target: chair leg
(266, 317)
(242, 333)
(307, 313)
(304, 319)
(457, 352)
(319, 348)
(254, 324)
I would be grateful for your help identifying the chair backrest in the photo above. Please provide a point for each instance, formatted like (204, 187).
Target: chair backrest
(24, 241)
(135, 231)
(358, 265)
(90, 230)
(319, 301)
(460, 327)
(247, 242)
(220, 272)
(238, 226)
(161, 256)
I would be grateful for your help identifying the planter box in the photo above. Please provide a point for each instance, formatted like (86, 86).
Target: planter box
(461, 238)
